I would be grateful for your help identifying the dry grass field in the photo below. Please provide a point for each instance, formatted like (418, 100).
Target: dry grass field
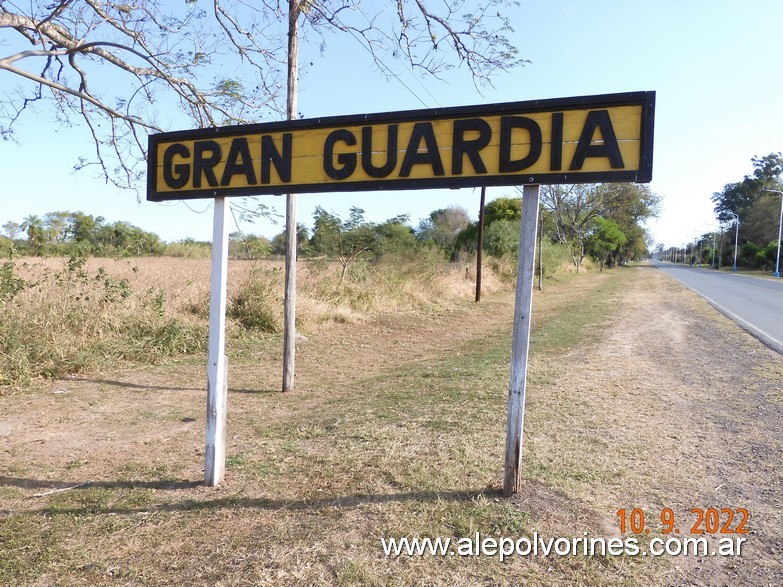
(640, 396)
(75, 315)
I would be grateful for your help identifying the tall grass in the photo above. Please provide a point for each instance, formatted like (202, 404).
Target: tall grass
(408, 282)
(552, 258)
(66, 316)
(70, 320)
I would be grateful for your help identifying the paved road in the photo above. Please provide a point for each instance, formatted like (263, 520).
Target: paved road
(755, 304)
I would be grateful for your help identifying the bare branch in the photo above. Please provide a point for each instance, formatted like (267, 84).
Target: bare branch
(127, 69)
(7, 65)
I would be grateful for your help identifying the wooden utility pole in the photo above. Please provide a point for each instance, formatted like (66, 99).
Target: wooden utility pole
(521, 339)
(289, 304)
(540, 249)
(480, 245)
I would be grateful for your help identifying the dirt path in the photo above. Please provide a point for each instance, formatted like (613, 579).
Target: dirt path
(687, 409)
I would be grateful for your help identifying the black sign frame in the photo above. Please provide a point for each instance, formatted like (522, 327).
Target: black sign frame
(646, 100)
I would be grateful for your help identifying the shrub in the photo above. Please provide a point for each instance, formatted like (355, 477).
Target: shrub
(7, 248)
(752, 254)
(771, 254)
(10, 283)
(255, 304)
(189, 249)
(502, 238)
(556, 258)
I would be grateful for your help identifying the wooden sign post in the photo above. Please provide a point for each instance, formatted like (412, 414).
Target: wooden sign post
(585, 139)
(520, 341)
(217, 363)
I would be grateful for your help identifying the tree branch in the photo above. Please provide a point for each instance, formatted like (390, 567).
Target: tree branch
(6, 64)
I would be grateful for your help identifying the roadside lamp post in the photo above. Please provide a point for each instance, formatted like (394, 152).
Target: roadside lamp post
(780, 230)
(736, 238)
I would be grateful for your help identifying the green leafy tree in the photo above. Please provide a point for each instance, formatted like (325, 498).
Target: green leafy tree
(58, 226)
(771, 254)
(442, 227)
(124, 239)
(606, 241)
(279, 240)
(248, 246)
(501, 237)
(327, 228)
(575, 208)
(759, 222)
(36, 233)
(756, 208)
(637, 246)
(395, 237)
(752, 255)
(502, 209)
(627, 204)
(739, 198)
(344, 241)
(85, 229)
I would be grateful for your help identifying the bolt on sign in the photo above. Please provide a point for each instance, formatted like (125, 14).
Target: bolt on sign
(571, 140)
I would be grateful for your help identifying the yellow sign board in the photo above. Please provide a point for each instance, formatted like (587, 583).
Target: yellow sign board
(572, 140)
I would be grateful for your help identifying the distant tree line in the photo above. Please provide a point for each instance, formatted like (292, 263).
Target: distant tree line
(79, 234)
(602, 221)
(605, 222)
(758, 213)
(756, 210)
(67, 233)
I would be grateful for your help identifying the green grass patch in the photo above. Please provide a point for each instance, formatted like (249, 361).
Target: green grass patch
(28, 546)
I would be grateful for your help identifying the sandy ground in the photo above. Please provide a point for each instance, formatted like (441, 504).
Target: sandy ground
(699, 424)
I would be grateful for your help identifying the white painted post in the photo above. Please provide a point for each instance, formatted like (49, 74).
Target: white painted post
(217, 366)
(521, 339)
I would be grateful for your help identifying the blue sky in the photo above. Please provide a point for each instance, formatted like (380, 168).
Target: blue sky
(715, 65)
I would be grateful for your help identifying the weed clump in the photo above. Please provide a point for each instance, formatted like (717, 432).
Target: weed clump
(255, 304)
(10, 283)
(70, 320)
